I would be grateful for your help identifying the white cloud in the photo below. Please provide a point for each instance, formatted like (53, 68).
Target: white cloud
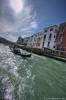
(24, 22)
(17, 5)
(34, 24)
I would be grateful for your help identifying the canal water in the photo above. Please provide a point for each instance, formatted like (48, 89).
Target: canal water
(35, 78)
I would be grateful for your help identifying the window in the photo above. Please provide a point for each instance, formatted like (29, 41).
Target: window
(44, 36)
(45, 30)
(62, 29)
(43, 43)
(51, 29)
(53, 46)
(50, 36)
(54, 36)
(39, 38)
(48, 44)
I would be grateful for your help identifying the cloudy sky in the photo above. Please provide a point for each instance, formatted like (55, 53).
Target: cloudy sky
(25, 17)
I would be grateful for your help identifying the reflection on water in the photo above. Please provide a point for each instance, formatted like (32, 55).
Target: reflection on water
(35, 78)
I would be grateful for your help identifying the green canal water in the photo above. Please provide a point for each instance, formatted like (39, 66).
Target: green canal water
(35, 78)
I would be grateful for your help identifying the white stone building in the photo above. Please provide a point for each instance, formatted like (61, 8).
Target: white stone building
(49, 39)
(29, 41)
(45, 39)
(37, 40)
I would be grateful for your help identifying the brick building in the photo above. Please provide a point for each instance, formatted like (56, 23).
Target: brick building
(61, 37)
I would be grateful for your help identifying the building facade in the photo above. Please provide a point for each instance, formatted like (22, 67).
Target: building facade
(49, 39)
(30, 41)
(20, 40)
(61, 37)
(35, 41)
(38, 40)
(26, 40)
(52, 37)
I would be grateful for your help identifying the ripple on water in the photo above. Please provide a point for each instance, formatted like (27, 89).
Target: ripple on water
(8, 71)
(28, 73)
(57, 62)
(14, 84)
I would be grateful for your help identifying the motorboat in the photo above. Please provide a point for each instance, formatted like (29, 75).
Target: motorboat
(18, 52)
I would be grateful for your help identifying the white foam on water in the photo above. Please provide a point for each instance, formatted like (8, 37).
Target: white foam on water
(28, 73)
(43, 57)
(7, 64)
(8, 94)
(8, 88)
(33, 77)
(5, 79)
(30, 66)
(57, 62)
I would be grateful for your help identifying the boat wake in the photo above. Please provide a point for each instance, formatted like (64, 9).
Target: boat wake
(8, 73)
(15, 75)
